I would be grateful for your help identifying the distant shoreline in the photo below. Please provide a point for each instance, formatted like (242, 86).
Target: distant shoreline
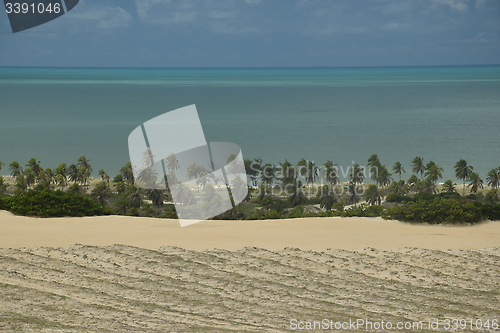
(300, 67)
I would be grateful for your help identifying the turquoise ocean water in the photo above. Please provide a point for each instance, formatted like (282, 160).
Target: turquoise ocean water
(339, 114)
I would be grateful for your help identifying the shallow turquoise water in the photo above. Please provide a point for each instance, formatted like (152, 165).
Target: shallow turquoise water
(343, 114)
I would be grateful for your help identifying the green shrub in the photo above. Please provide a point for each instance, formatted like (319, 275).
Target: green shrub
(269, 215)
(492, 212)
(439, 210)
(424, 196)
(363, 211)
(393, 197)
(450, 195)
(48, 203)
(170, 213)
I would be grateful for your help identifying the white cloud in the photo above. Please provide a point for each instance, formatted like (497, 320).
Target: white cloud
(219, 16)
(480, 4)
(481, 38)
(102, 16)
(460, 5)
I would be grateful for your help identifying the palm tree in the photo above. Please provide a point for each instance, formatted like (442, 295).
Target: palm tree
(148, 159)
(267, 174)
(398, 168)
(195, 171)
(61, 181)
(429, 165)
(372, 195)
(172, 162)
(399, 188)
(417, 165)
(412, 181)
(120, 187)
(384, 178)
(103, 174)
(353, 196)
(297, 197)
(475, 182)
(49, 176)
(463, 171)
(1, 164)
(374, 164)
(209, 193)
(308, 170)
(35, 168)
(493, 177)
(29, 177)
(448, 186)
(15, 169)
(425, 186)
(434, 173)
(156, 196)
(331, 173)
(21, 185)
(85, 169)
(101, 193)
(61, 174)
(357, 176)
(134, 195)
(253, 169)
(127, 173)
(328, 200)
(147, 177)
(288, 173)
(73, 173)
(373, 160)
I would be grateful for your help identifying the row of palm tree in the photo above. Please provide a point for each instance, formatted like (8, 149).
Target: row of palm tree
(257, 171)
(33, 174)
(288, 173)
(429, 172)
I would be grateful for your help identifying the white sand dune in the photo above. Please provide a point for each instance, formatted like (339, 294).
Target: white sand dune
(252, 278)
(306, 233)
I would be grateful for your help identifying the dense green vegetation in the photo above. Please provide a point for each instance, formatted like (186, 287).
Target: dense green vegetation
(277, 191)
(439, 210)
(48, 203)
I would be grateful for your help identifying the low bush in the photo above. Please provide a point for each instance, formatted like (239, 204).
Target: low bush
(363, 211)
(49, 203)
(492, 212)
(269, 215)
(439, 210)
(393, 197)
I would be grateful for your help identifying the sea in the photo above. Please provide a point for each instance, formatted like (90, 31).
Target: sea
(344, 115)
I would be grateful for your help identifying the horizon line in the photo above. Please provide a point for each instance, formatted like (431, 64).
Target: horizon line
(256, 67)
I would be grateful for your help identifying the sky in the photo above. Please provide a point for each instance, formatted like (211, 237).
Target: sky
(260, 33)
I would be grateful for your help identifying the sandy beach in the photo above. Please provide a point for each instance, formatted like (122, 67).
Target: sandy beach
(124, 274)
(306, 234)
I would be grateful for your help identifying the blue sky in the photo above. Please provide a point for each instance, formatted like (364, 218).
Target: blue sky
(260, 33)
